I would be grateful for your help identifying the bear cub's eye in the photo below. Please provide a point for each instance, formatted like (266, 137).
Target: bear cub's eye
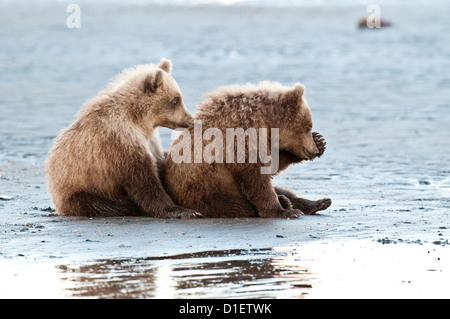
(175, 101)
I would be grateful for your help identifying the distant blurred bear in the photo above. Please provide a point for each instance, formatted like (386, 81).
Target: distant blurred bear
(224, 189)
(109, 162)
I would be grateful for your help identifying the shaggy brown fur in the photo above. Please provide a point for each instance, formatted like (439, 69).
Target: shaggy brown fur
(240, 190)
(109, 162)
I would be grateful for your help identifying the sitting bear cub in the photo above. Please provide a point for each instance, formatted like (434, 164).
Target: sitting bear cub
(109, 162)
(224, 188)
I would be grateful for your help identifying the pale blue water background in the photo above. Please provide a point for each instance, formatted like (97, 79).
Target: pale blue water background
(381, 98)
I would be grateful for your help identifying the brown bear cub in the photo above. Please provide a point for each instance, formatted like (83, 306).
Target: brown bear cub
(226, 187)
(109, 162)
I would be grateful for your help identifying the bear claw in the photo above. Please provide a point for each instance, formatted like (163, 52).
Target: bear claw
(320, 143)
(179, 212)
(188, 214)
(292, 213)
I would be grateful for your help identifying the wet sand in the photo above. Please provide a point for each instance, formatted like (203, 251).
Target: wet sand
(379, 98)
(311, 269)
(336, 255)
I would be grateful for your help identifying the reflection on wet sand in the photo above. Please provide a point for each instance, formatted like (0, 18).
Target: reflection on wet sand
(262, 273)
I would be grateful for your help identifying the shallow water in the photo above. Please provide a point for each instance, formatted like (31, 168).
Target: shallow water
(317, 270)
(250, 273)
(379, 97)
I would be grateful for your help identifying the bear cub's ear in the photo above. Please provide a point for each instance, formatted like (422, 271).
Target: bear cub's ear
(152, 81)
(294, 97)
(165, 65)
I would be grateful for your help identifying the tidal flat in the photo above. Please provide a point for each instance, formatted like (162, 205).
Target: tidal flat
(379, 97)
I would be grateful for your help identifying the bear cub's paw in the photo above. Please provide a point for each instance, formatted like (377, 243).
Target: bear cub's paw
(313, 207)
(179, 212)
(285, 202)
(282, 213)
(291, 213)
(320, 143)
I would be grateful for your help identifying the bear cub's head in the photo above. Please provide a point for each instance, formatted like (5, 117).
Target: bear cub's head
(296, 136)
(151, 95)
